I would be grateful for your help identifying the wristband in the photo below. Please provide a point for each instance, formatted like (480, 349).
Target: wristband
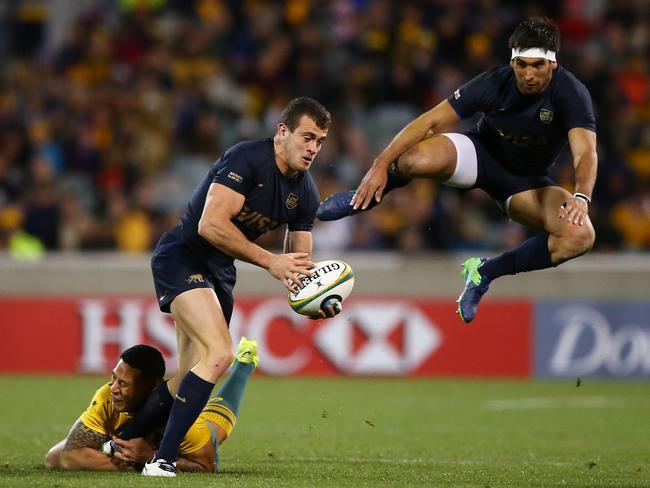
(582, 197)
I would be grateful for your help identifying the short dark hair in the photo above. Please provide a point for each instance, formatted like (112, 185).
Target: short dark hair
(300, 106)
(536, 32)
(146, 359)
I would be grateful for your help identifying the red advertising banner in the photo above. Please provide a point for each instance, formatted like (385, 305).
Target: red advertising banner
(387, 336)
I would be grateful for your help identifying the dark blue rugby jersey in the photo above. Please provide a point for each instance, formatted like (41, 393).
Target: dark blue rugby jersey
(525, 133)
(272, 199)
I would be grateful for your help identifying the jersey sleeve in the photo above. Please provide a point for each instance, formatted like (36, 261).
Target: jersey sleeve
(304, 219)
(96, 416)
(473, 96)
(578, 110)
(235, 171)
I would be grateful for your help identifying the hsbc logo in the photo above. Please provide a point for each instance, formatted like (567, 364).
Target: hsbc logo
(417, 337)
(396, 338)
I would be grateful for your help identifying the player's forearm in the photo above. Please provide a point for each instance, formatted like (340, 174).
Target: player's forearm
(226, 237)
(437, 120)
(299, 241)
(87, 459)
(405, 139)
(586, 166)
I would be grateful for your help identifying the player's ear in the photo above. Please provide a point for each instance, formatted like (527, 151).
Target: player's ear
(282, 130)
(554, 65)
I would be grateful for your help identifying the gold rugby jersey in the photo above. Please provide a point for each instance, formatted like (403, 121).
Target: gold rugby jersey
(102, 418)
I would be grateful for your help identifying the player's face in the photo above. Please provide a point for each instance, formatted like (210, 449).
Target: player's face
(299, 147)
(533, 74)
(127, 390)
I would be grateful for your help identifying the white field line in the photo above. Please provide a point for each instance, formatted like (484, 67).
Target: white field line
(414, 461)
(548, 403)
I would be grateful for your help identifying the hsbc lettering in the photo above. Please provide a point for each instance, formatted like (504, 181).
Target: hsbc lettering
(588, 343)
(129, 329)
(126, 322)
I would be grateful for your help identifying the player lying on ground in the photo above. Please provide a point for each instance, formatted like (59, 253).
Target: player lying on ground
(530, 109)
(140, 369)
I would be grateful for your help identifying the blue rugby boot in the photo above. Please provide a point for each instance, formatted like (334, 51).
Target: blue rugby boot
(475, 286)
(336, 206)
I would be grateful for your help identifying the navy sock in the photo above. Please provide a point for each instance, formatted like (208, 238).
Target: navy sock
(151, 415)
(232, 390)
(531, 255)
(394, 181)
(193, 394)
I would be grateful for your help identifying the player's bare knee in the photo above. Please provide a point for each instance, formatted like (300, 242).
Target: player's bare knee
(219, 360)
(409, 162)
(578, 241)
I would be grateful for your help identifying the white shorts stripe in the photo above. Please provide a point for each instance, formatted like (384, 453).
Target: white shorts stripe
(466, 163)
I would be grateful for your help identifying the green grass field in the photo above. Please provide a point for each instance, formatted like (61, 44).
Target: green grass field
(372, 432)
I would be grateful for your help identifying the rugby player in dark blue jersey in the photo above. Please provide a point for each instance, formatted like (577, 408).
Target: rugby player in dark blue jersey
(255, 186)
(530, 108)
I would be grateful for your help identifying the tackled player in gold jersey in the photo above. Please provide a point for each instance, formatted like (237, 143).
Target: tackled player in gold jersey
(140, 369)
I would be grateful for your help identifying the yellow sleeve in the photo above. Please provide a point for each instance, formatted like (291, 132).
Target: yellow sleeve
(197, 437)
(98, 414)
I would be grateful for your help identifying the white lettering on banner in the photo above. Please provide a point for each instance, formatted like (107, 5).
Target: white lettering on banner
(378, 356)
(96, 333)
(259, 322)
(334, 338)
(621, 352)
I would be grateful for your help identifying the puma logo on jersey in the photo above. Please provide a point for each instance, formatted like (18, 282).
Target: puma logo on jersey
(457, 94)
(181, 399)
(195, 278)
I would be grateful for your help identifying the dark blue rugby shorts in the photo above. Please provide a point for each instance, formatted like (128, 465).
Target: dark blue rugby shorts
(177, 269)
(477, 168)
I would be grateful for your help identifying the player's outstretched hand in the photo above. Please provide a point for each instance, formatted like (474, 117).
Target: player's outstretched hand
(574, 210)
(329, 309)
(134, 450)
(372, 186)
(287, 267)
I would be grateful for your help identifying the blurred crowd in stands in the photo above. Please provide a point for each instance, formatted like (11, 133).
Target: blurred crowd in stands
(104, 134)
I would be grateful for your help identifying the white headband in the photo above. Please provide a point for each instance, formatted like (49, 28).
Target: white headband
(533, 52)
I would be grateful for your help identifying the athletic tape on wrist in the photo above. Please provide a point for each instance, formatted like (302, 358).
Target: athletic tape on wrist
(582, 197)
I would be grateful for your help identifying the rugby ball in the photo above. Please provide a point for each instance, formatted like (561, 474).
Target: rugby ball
(331, 279)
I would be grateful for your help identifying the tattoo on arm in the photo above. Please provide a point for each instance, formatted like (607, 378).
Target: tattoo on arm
(81, 436)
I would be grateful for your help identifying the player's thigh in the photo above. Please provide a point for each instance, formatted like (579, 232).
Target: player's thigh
(434, 158)
(198, 314)
(539, 209)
